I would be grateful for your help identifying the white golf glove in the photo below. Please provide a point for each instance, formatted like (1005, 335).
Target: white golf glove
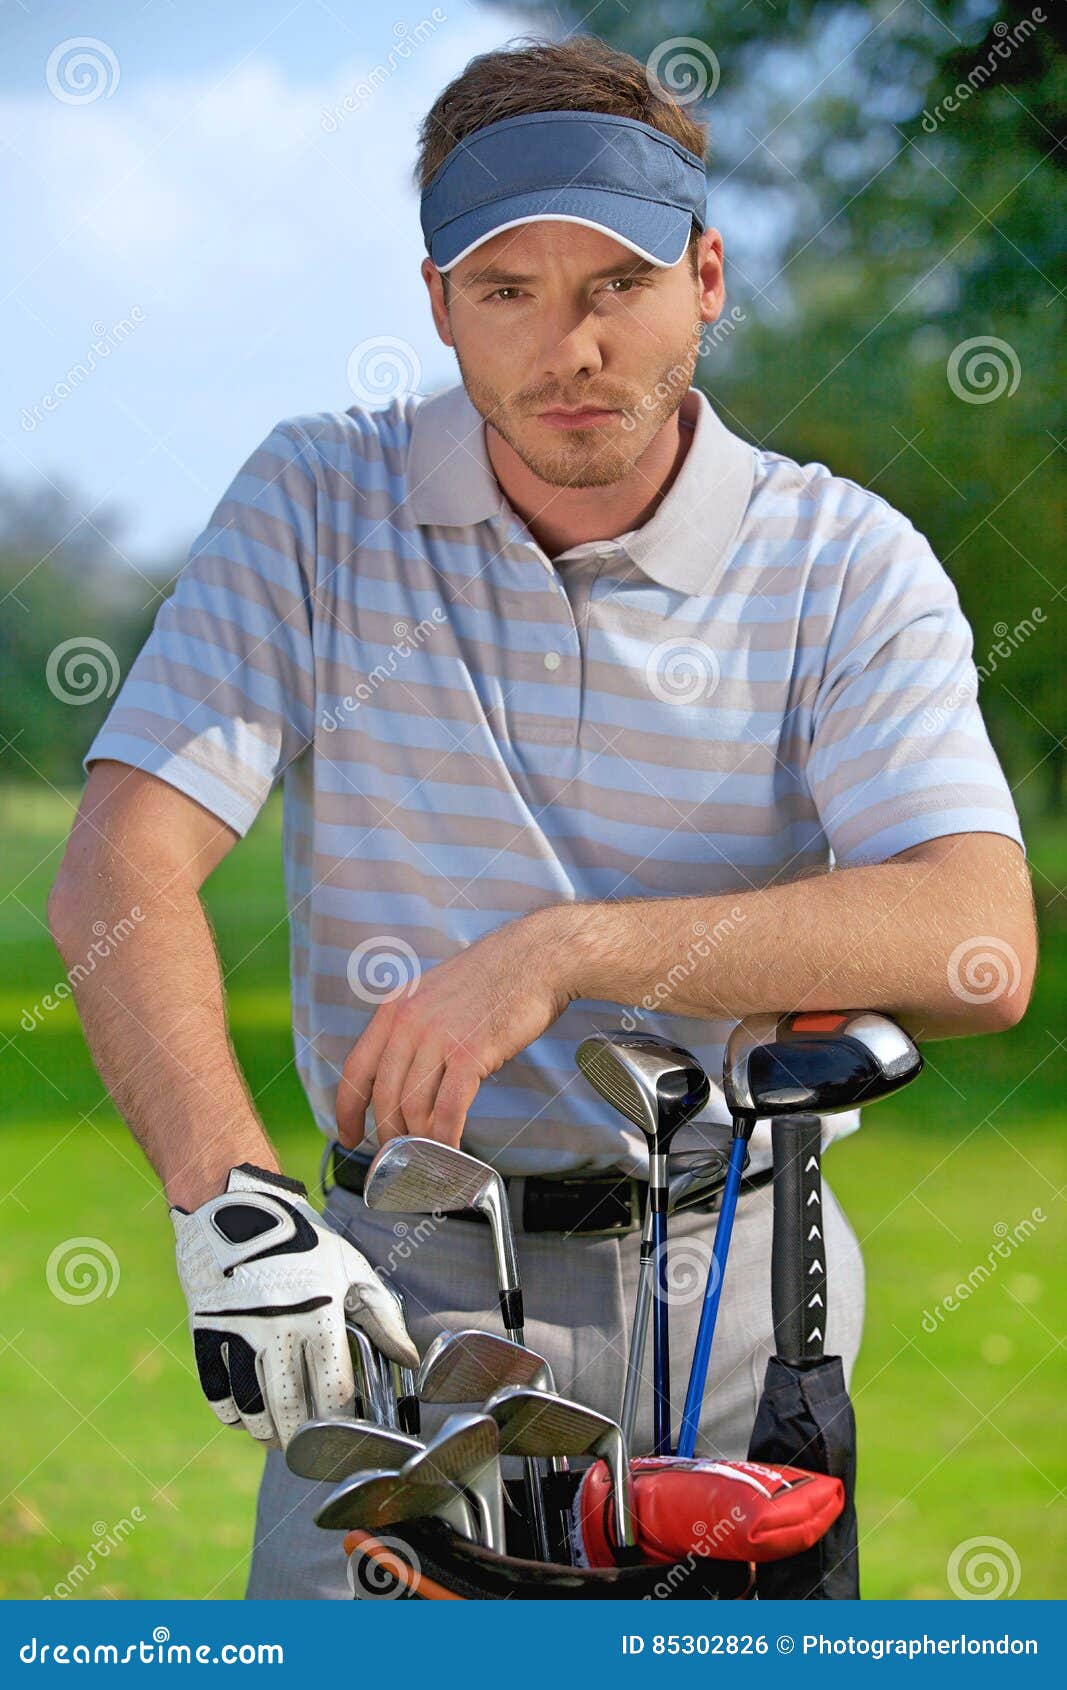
(268, 1288)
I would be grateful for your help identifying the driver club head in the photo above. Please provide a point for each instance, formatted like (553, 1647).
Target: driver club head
(815, 1062)
(656, 1084)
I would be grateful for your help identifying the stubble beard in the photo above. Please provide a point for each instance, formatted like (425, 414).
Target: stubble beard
(598, 457)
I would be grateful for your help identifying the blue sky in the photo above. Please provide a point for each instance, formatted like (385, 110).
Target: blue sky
(181, 205)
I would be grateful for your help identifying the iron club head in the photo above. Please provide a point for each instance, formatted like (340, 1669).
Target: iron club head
(335, 1449)
(467, 1366)
(369, 1501)
(418, 1176)
(466, 1452)
(534, 1423)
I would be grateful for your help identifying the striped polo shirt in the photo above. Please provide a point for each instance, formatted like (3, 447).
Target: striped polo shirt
(770, 676)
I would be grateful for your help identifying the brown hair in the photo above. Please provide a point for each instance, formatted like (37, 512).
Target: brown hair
(580, 74)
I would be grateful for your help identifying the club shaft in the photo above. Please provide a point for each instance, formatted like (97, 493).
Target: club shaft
(661, 1350)
(694, 1398)
(387, 1393)
(404, 1386)
(639, 1335)
(531, 1473)
(488, 1499)
(367, 1376)
(617, 1454)
(681, 1186)
(511, 1309)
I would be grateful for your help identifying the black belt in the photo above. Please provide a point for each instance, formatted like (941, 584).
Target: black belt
(604, 1204)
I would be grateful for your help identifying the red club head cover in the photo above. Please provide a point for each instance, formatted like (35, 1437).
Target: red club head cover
(726, 1510)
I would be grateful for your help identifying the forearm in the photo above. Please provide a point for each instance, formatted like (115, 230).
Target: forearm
(887, 936)
(154, 1018)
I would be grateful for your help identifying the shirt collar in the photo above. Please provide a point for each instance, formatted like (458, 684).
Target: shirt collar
(684, 544)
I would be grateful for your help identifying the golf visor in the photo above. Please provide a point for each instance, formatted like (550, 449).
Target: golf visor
(591, 168)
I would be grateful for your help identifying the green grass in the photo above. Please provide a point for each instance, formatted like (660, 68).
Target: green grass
(959, 1426)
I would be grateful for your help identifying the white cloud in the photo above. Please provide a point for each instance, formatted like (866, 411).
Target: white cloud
(259, 246)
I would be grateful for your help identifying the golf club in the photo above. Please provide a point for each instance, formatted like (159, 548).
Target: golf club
(466, 1453)
(418, 1176)
(371, 1500)
(387, 1390)
(369, 1393)
(335, 1449)
(658, 1086)
(534, 1423)
(807, 1062)
(405, 1390)
(467, 1366)
(698, 1179)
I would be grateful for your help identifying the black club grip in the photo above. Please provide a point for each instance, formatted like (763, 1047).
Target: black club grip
(798, 1254)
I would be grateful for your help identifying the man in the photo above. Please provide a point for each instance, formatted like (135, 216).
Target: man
(588, 711)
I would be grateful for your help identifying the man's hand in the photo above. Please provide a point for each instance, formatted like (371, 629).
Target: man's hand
(427, 1050)
(269, 1287)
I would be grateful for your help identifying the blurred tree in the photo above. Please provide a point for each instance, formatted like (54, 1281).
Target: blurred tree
(890, 183)
(72, 620)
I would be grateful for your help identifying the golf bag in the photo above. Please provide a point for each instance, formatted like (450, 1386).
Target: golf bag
(425, 1560)
(701, 1528)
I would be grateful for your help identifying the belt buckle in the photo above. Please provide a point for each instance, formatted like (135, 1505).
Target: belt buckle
(621, 1229)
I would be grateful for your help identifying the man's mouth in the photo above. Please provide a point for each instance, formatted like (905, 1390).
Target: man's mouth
(586, 416)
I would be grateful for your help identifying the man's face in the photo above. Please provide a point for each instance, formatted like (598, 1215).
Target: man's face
(554, 315)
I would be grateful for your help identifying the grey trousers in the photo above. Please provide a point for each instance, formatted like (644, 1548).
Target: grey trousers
(579, 1295)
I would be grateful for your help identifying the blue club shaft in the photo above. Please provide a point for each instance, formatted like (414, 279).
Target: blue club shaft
(694, 1398)
(661, 1407)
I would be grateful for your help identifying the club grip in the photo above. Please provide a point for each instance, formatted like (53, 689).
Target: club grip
(798, 1254)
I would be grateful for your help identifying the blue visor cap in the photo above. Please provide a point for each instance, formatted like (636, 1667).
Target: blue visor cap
(604, 172)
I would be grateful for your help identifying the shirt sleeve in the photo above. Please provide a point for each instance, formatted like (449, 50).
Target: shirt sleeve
(221, 697)
(899, 752)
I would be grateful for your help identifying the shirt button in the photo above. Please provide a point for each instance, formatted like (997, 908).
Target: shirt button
(552, 660)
